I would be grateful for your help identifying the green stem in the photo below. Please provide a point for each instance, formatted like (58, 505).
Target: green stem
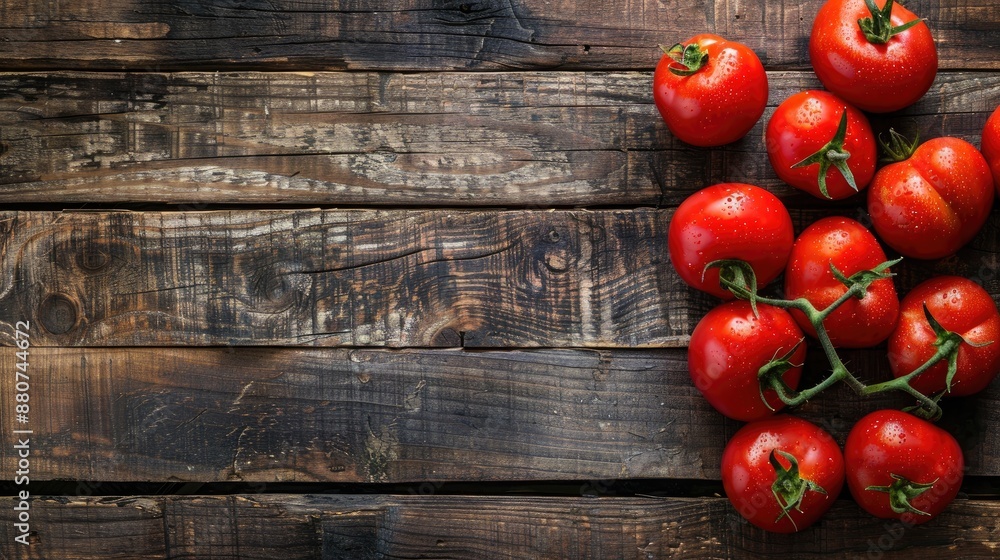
(928, 406)
(899, 383)
(839, 371)
(742, 283)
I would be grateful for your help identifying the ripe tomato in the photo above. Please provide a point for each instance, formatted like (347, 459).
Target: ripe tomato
(902, 467)
(710, 91)
(729, 221)
(878, 62)
(931, 203)
(782, 473)
(820, 144)
(728, 348)
(850, 247)
(961, 306)
(991, 145)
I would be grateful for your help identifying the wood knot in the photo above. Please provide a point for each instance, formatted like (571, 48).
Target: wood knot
(59, 313)
(276, 288)
(555, 251)
(95, 253)
(93, 258)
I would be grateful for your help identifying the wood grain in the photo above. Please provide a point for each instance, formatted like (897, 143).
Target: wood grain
(444, 278)
(420, 416)
(532, 139)
(434, 34)
(468, 527)
(335, 278)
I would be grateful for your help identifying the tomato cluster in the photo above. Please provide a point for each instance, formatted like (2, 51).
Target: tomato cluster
(733, 239)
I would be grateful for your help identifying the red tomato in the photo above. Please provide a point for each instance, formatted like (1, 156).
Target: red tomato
(729, 221)
(851, 248)
(962, 307)
(933, 202)
(991, 145)
(809, 151)
(869, 58)
(749, 473)
(729, 347)
(890, 453)
(710, 91)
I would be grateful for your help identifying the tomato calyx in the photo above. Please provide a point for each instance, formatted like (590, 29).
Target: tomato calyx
(859, 282)
(738, 277)
(878, 28)
(898, 148)
(687, 59)
(832, 153)
(789, 487)
(948, 343)
(901, 491)
(771, 375)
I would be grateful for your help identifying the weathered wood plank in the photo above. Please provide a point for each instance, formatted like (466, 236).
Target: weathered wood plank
(350, 416)
(363, 527)
(358, 278)
(434, 34)
(536, 139)
(595, 279)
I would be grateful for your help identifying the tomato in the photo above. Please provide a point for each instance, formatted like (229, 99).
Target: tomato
(991, 145)
(729, 221)
(890, 454)
(961, 306)
(803, 456)
(876, 61)
(851, 248)
(710, 91)
(813, 149)
(728, 348)
(934, 201)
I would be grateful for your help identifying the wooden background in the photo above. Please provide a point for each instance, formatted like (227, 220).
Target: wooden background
(389, 279)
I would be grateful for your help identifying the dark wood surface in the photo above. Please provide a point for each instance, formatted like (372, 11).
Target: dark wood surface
(526, 139)
(324, 263)
(435, 34)
(472, 527)
(345, 278)
(378, 416)
(396, 278)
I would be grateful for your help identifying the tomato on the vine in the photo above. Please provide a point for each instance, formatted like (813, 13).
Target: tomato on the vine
(933, 200)
(878, 56)
(782, 473)
(968, 314)
(900, 466)
(991, 145)
(729, 221)
(710, 91)
(847, 246)
(821, 144)
(730, 346)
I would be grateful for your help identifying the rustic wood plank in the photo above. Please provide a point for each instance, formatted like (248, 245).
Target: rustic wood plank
(597, 279)
(536, 139)
(451, 278)
(359, 278)
(270, 415)
(362, 527)
(433, 35)
(363, 416)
